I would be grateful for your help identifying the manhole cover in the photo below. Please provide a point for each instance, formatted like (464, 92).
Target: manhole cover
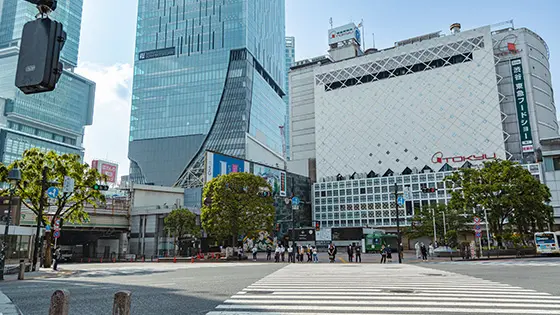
(258, 292)
(400, 291)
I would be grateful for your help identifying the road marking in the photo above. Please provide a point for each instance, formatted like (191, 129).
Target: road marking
(382, 290)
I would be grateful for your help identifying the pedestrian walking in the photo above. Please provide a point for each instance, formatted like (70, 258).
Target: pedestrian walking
(268, 253)
(402, 251)
(291, 254)
(424, 252)
(350, 251)
(431, 250)
(383, 255)
(282, 252)
(358, 251)
(57, 257)
(301, 253)
(389, 253)
(277, 254)
(240, 253)
(255, 251)
(315, 255)
(417, 248)
(309, 252)
(332, 253)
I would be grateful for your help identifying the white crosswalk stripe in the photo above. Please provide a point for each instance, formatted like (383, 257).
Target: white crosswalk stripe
(381, 290)
(528, 263)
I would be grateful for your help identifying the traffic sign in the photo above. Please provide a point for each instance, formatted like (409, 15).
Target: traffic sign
(401, 201)
(68, 186)
(47, 227)
(56, 234)
(52, 192)
(295, 201)
(477, 227)
(478, 234)
(476, 220)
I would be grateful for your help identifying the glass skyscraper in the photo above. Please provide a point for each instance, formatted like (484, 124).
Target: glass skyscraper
(52, 120)
(208, 75)
(290, 60)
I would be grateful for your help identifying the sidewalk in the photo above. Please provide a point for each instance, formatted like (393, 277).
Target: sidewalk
(7, 307)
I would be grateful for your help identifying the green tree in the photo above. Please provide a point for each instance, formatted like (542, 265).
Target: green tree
(456, 222)
(67, 206)
(508, 192)
(180, 223)
(237, 204)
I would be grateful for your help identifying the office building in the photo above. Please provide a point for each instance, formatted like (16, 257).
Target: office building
(290, 60)
(209, 75)
(415, 111)
(54, 120)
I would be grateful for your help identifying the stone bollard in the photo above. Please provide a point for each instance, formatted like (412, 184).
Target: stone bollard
(121, 303)
(21, 274)
(59, 302)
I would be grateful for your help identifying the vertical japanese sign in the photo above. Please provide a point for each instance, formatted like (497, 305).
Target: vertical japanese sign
(521, 101)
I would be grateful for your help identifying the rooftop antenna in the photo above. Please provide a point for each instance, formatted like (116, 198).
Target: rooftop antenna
(330, 22)
(373, 38)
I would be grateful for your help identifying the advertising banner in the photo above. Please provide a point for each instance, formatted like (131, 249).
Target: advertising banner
(345, 32)
(276, 178)
(521, 101)
(217, 164)
(106, 168)
(303, 235)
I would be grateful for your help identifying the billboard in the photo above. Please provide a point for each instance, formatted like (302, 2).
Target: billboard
(106, 168)
(345, 32)
(303, 235)
(275, 178)
(218, 164)
(522, 106)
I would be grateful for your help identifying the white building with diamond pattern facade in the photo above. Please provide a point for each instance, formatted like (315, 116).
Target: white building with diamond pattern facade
(414, 112)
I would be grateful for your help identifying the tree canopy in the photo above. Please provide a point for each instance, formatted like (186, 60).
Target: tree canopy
(180, 223)
(456, 221)
(237, 204)
(67, 206)
(508, 192)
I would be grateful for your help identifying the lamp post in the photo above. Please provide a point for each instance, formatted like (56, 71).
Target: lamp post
(14, 176)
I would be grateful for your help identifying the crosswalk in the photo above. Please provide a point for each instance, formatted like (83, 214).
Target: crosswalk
(381, 290)
(508, 262)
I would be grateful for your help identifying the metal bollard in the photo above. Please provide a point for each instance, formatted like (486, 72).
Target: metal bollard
(59, 302)
(121, 303)
(21, 274)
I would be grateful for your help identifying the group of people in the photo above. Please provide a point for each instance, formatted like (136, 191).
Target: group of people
(294, 253)
(354, 251)
(423, 252)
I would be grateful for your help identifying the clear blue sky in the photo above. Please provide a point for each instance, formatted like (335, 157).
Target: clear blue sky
(108, 35)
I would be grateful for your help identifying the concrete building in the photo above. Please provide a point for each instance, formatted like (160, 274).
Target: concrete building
(209, 76)
(290, 60)
(551, 173)
(149, 206)
(54, 120)
(426, 106)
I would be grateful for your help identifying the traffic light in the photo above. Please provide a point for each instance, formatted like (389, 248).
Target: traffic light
(39, 68)
(317, 226)
(100, 187)
(277, 227)
(427, 190)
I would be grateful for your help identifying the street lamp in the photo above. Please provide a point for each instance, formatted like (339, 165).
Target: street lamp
(14, 176)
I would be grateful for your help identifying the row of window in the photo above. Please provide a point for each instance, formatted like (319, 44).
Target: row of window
(430, 177)
(41, 133)
(362, 223)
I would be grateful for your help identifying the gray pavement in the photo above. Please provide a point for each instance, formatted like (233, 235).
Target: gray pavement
(6, 306)
(156, 288)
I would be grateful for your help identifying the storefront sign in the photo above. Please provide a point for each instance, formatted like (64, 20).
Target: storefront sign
(157, 53)
(521, 102)
(438, 158)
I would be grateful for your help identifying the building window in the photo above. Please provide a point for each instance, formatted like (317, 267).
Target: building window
(556, 163)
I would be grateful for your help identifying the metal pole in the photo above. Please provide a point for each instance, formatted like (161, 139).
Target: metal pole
(487, 230)
(5, 240)
(41, 208)
(398, 223)
(435, 230)
(293, 224)
(444, 228)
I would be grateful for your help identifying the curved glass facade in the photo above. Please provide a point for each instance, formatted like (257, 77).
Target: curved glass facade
(183, 52)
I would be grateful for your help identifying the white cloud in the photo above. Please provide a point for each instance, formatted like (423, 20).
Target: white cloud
(107, 138)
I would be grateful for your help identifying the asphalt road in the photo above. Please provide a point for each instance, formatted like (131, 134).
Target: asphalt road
(156, 288)
(541, 274)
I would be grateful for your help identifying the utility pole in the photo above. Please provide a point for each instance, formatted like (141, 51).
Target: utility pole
(41, 211)
(398, 223)
(434, 220)
(4, 244)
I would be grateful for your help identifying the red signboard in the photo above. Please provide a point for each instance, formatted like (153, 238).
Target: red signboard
(106, 168)
(438, 158)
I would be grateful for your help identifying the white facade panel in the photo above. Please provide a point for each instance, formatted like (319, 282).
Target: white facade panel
(418, 109)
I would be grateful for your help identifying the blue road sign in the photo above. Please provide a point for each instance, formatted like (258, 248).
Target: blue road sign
(478, 234)
(477, 227)
(295, 201)
(56, 234)
(401, 201)
(47, 228)
(52, 192)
